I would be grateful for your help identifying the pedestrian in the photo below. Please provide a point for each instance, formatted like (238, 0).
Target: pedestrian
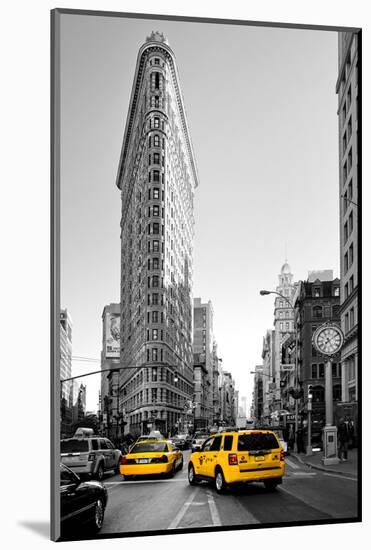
(343, 438)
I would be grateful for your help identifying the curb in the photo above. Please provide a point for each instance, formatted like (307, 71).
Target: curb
(322, 468)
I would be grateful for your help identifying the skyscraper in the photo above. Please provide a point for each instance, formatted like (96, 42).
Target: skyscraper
(157, 177)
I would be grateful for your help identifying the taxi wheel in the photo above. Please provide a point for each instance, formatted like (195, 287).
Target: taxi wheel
(220, 485)
(192, 478)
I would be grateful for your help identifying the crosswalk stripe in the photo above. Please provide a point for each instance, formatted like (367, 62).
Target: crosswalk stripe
(292, 464)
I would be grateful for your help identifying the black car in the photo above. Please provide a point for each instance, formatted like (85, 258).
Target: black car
(81, 503)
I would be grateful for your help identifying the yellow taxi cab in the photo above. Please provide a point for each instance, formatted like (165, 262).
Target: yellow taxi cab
(151, 457)
(237, 456)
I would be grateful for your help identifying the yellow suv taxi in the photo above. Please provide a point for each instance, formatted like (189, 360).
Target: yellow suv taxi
(238, 457)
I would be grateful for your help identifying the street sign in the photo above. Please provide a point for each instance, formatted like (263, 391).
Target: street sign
(289, 367)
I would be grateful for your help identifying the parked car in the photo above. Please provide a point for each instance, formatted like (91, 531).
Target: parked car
(90, 456)
(81, 503)
(238, 457)
(151, 457)
(181, 441)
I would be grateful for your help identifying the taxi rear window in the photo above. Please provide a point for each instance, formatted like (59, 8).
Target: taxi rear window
(75, 446)
(257, 442)
(150, 448)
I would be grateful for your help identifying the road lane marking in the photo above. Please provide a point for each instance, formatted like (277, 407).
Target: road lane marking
(341, 477)
(304, 474)
(213, 509)
(292, 464)
(178, 518)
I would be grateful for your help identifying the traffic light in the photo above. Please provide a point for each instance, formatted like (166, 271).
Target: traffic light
(310, 391)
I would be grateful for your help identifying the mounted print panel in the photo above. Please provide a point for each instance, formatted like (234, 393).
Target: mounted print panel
(206, 195)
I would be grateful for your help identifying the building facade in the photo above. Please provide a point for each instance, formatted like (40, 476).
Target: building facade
(348, 109)
(157, 177)
(66, 371)
(111, 417)
(317, 302)
(268, 375)
(203, 343)
(257, 396)
(284, 327)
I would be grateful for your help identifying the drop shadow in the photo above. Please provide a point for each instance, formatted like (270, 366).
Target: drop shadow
(42, 528)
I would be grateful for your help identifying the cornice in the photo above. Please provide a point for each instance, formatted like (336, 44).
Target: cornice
(138, 78)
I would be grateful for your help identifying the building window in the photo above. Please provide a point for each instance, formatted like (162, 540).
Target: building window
(345, 232)
(346, 262)
(154, 334)
(155, 210)
(350, 221)
(336, 392)
(345, 202)
(351, 284)
(156, 123)
(346, 322)
(350, 190)
(351, 257)
(157, 61)
(317, 292)
(314, 370)
(318, 394)
(345, 172)
(155, 263)
(156, 246)
(156, 176)
(154, 316)
(155, 281)
(351, 317)
(157, 80)
(156, 158)
(156, 193)
(287, 326)
(321, 373)
(350, 160)
(337, 291)
(346, 290)
(154, 299)
(281, 326)
(317, 311)
(155, 228)
(156, 140)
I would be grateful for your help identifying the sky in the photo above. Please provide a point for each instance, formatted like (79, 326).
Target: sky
(262, 114)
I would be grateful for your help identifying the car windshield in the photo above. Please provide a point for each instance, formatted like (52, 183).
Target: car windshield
(74, 446)
(257, 442)
(150, 448)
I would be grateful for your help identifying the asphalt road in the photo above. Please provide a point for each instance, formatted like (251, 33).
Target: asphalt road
(167, 504)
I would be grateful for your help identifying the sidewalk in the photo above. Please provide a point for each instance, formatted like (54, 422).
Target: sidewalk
(344, 468)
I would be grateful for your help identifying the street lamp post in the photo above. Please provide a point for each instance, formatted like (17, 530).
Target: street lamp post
(264, 293)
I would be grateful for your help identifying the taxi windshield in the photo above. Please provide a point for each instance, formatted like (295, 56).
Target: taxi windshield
(150, 448)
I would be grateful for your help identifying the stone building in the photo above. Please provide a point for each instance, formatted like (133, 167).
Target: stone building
(317, 302)
(283, 328)
(157, 178)
(66, 371)
(111, 416)
(348, 111)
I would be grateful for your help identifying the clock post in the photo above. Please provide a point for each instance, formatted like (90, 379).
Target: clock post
(328, 340)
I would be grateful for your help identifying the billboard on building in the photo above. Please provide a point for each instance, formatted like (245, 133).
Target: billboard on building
(112, 333)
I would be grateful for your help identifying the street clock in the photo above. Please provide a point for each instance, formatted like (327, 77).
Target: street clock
(328, 339)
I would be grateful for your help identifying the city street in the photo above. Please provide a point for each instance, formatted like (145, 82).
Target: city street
(166, 504)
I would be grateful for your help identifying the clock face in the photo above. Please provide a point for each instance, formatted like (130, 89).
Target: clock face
(328, 339)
